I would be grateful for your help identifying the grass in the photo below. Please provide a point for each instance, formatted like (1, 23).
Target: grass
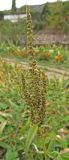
(44, 55)
(18, 138)
(34, 110)
(12, 32)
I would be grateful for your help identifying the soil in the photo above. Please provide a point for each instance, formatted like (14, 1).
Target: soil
(51, 38)
(50, 72)
(2, 152)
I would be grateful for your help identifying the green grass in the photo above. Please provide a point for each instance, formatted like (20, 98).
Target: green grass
(16, 132)
(12, 31)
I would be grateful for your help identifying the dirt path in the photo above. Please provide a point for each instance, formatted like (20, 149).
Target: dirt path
(46, 38)
(50, 72)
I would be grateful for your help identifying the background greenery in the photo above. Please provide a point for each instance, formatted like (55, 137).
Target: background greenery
(52, 17)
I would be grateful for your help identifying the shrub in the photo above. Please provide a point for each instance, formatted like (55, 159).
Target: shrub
(1, 15)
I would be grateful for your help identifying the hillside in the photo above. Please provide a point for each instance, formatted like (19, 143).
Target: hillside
(34, 8)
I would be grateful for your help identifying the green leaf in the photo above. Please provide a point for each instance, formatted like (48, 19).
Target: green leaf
(11, 155)
(3, 106)
(2, 126)
(59, 157)
(31, 134)
(52, 141)
(25, 127)
(4, 145)
(65, 156)
(63, 143)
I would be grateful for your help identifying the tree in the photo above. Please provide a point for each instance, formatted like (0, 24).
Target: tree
(52, 14)
(13, 5)
(45, 11)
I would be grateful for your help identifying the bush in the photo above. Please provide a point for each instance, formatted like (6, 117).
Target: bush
(38, 25)
(1, 15)
(12, 32)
